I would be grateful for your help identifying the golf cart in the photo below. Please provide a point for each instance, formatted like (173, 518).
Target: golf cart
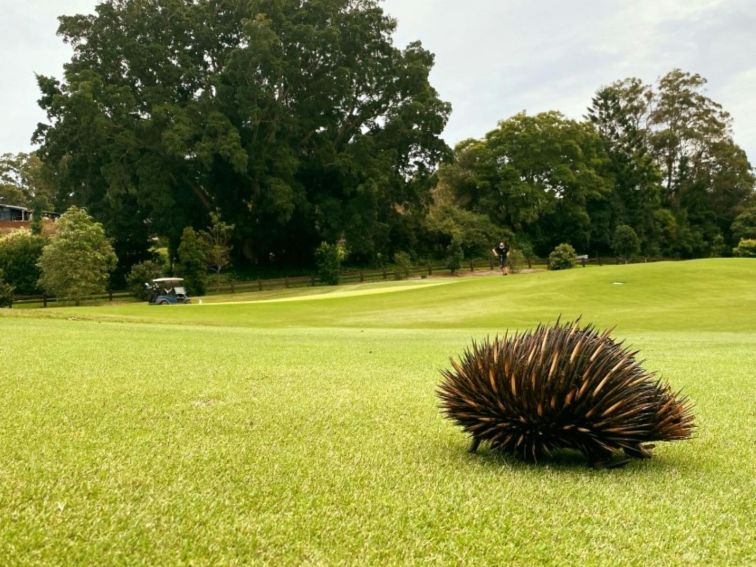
(164, 291)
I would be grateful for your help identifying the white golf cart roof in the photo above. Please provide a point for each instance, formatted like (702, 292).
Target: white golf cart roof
(167, 280)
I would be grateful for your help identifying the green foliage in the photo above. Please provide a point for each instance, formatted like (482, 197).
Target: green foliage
(744, 225)
(193, 261)
(142, 273)
(671, 146)
(454, 256)
(562, 257)
(218, 240)
(516, 260)
(625, 241)
(300, 121)
(402, 265)
(474, 232)
(6, 292)
(25, 181)
(78, 259)
(328, 258)
(746, 248)
(534, 175)
(20, 252)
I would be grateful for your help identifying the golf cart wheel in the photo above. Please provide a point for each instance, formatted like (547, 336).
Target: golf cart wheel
(162, 302)
(187, 301)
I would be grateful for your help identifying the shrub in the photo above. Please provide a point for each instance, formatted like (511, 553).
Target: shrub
(515, 260)
(454, 256)
(6, 292)
(78, 259)
(625, 242)
(746, 248)
(328, 258)
(402, 265)
(142, 273)
(20, 252)
(562, 257)
(192, 261)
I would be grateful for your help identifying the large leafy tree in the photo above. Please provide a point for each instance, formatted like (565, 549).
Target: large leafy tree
(298, 121)
(79, 258)
(681, 179)
(534, 175)
(26, 181)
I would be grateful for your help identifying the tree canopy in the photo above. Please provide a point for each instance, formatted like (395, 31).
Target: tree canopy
(78, 259)
(298, 121)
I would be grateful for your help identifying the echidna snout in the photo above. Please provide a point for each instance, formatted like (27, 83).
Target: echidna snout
(562, 387)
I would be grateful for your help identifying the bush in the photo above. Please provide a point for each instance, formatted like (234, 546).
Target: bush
(562, 257)
(20, 252)
(746, 248)
(79, 258)
(192, 261)
(142, 273)
(6, 293)
(454, 257)
(402, 266)
(625, 242)
(515, 260)
(328, 258)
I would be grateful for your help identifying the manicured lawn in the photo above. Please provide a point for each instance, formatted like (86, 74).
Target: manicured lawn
(307, 430)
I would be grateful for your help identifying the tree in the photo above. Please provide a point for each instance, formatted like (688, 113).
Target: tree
(744, 225)
(20, 252)
(534, 175)
(25, 181)
(192, 261)
(78, 259)
(625, 242)
(328, 258)
(671, 147)
(299, 122)
(6, 292)
(217, 240)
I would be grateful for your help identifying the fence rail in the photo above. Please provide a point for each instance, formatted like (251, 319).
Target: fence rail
(346, 277)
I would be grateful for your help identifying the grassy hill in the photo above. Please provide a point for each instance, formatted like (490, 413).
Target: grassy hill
(696, 295)
(301, 427)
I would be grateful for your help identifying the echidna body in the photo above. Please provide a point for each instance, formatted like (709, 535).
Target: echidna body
(562, 387)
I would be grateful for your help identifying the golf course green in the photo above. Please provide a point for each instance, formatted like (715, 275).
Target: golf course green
(302, 427)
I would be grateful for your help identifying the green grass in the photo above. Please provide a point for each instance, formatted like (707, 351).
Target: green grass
(307, 431)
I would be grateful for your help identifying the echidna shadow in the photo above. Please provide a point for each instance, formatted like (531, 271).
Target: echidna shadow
(562, 387)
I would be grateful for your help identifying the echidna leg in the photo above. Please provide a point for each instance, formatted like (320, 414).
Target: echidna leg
(474, 445)
(639, 451)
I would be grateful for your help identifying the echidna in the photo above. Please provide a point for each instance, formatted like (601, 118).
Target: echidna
(562, 387)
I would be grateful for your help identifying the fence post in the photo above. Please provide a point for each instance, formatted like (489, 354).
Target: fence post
(472, 267)
(110, 295)
(259, 284)
(362, 277)
(44, 300)
(490, 263)
(385, 274)
(286, 282)
(430, 270)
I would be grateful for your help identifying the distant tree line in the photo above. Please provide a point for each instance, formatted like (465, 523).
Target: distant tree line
(300, 124)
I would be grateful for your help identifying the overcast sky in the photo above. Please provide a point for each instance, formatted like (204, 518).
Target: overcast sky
(494, 58)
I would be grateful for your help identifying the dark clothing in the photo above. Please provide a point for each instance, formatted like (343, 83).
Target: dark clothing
(501, 252)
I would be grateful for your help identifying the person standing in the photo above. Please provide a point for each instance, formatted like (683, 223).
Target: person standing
(502, 251)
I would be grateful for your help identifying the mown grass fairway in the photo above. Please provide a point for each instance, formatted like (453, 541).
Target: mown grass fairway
(307, 430)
